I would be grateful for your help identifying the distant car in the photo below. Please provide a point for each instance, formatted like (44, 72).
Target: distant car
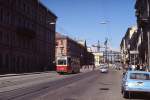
(104, 69)
(135, 82)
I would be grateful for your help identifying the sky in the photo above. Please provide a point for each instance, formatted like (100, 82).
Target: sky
(82, 19)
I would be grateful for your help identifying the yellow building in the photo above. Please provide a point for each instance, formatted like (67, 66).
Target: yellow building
(98, 58)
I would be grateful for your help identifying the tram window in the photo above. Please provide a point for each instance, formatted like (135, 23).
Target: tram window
(61, 62)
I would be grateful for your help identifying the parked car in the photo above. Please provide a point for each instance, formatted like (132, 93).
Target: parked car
(135, 82)
(104, 69)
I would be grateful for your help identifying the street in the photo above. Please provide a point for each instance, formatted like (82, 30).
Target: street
(74, 50)
(98, 86)
(90, 85)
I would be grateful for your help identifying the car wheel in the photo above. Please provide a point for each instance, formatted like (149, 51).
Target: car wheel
(125, 94)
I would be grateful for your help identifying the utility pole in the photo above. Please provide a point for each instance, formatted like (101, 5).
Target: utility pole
(111, 56)
(105, 43)
(148, 49)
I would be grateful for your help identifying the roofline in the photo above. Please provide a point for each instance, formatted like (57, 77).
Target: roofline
(48, 10)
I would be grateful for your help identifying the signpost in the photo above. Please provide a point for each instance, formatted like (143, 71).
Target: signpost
(134, 52)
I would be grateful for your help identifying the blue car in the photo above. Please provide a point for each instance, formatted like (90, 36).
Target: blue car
(135, 82)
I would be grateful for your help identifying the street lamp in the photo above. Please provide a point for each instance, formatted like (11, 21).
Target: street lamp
(106, 41)
(105, 22)
(148, 9)
(52, 23)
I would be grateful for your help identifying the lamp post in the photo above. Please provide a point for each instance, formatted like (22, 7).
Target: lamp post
(106, 47)
(145, 19)
(52, 23)
(52, 60)
(106, 42)
(148, 35)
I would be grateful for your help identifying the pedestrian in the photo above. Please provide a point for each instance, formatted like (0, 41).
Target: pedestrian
(138, 67)
(133, 67)
(141, 67)
(130, 67)
(144, 67)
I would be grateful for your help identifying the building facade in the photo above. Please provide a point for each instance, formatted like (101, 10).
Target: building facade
(123, 51)
(143, 21)
(66, 46)
(27, 39)
(98, 57)
(129, 44)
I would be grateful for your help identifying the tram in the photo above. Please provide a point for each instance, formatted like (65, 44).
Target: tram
(67, 64)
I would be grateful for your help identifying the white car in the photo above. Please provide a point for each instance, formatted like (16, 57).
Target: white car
(104, 69)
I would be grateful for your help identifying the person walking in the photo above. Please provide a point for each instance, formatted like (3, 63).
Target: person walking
(138, 67)
(130, 67)
(133, 67)
(145, 67)
(141, 67)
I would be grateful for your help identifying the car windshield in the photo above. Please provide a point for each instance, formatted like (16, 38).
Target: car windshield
(141, 76)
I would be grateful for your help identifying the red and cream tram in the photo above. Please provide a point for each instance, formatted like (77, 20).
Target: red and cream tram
(67, 64)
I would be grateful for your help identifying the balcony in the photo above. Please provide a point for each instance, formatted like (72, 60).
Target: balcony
(26, 32)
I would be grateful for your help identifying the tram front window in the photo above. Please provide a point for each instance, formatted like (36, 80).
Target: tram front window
(62, 62)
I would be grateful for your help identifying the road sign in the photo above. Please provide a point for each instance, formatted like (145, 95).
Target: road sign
(134, 52)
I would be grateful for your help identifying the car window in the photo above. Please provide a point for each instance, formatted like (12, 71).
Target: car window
(141, 76)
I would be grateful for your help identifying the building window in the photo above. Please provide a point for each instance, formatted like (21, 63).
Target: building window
(24, 6)
(1, 14)
(18, 21)
(26, 44)
(7, 62)
(14, 63)
(18, 63)
(1, 36)
(49, 37)
(7, 37)
(61, 42)
(27, 9)
(1, 61)
(7, 18)
(56, 43)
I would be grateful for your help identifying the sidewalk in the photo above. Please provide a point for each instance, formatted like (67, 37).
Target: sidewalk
(8, 75)
(10, 82)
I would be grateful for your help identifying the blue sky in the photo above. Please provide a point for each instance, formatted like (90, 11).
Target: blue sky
(81, 19)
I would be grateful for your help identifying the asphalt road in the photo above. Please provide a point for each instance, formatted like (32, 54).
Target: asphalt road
(83, 86)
